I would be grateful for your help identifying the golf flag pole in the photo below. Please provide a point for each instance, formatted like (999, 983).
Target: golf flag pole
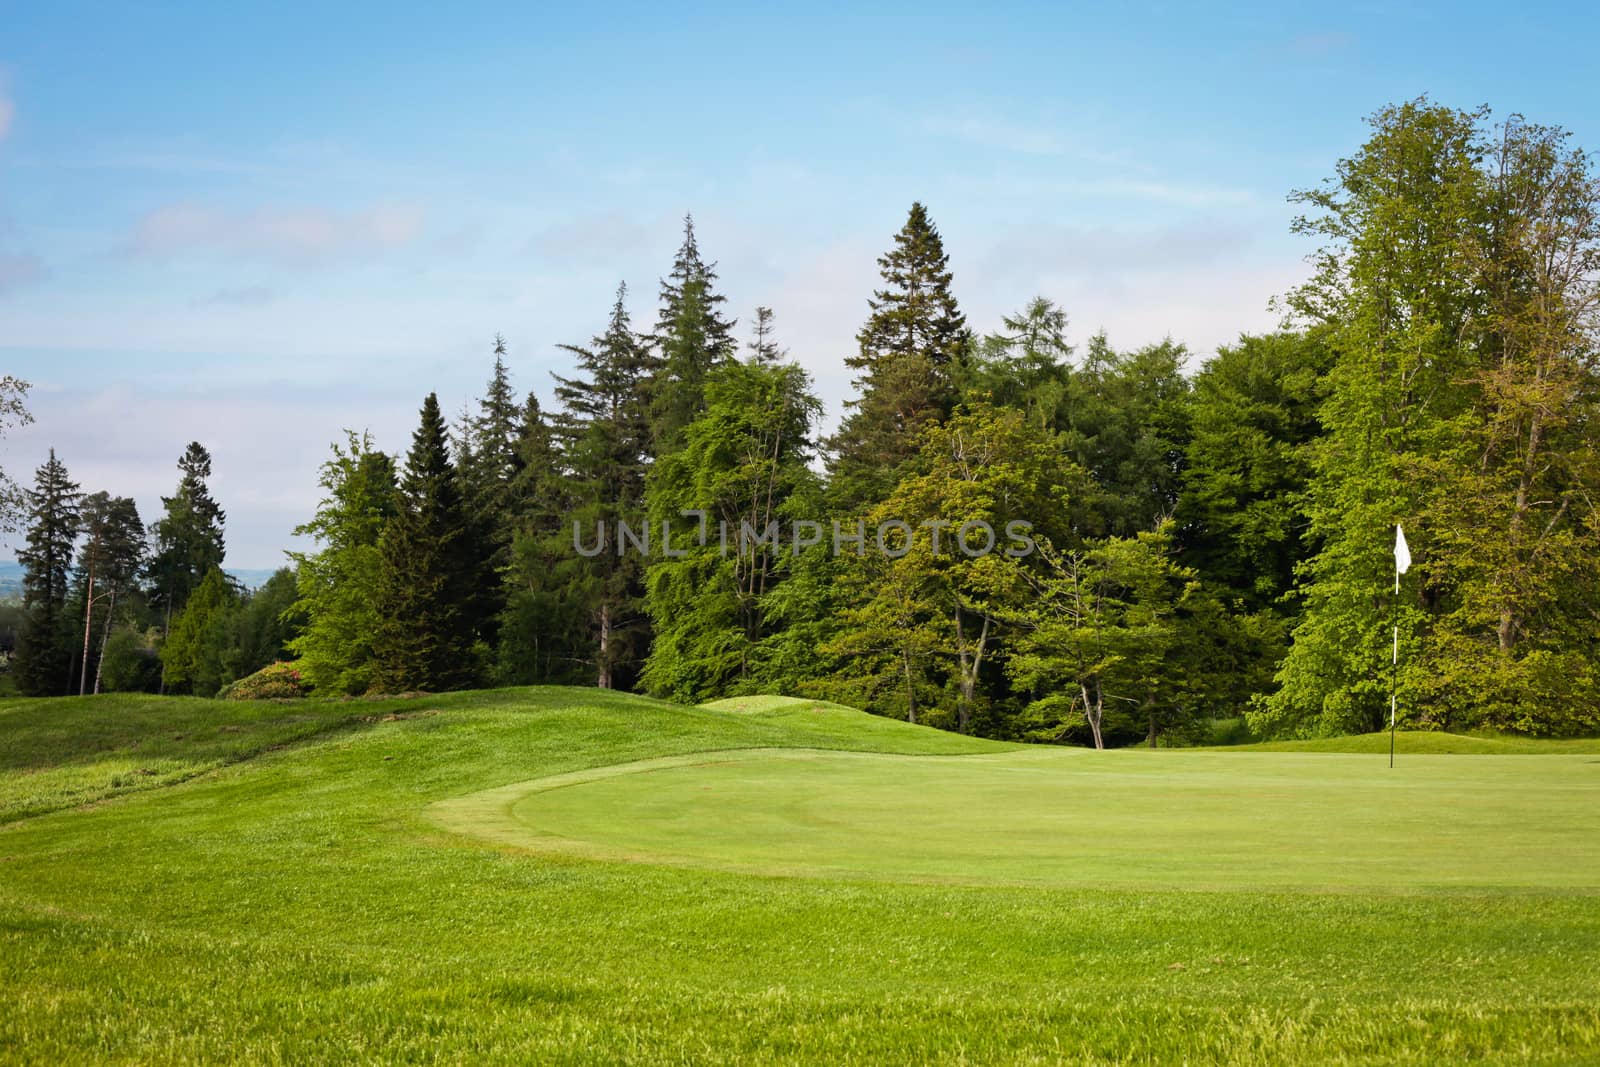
(1402, 563)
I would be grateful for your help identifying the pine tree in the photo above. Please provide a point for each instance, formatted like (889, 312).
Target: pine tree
(425, 594)
(604, 434)
(44, 647)
(194, 656)
(912, 353)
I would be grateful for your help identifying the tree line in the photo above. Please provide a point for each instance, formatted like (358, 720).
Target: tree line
(1207, 545)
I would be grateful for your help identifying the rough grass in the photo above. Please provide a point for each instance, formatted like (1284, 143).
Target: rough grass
(297, 904)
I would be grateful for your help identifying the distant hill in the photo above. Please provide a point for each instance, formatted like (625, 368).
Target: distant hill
(11, 578)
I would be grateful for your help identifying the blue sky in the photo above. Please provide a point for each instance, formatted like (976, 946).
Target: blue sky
(256, 225)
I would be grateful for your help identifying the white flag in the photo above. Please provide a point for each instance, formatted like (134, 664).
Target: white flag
(1402, 551)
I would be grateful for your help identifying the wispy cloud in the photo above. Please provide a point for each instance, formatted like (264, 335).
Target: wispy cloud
(8, 111)
(297, 235)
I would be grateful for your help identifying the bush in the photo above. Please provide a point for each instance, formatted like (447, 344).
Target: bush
(278, 681)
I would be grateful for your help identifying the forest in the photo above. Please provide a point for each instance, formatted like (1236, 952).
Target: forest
(1212, 537)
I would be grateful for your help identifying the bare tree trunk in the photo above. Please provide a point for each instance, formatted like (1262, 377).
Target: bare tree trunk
(88, 622)
(1093, 710)
(105, 640)
(911, 687)
(604, 681)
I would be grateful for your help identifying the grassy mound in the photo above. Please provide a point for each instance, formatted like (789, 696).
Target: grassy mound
(289, 896)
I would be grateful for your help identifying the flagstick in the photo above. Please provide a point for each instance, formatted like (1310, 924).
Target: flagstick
(1394, 662)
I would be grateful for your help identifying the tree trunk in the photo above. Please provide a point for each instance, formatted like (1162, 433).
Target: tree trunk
(105, 640)
(911, 687)
(88, 622)
(1092, 711)
(604, 680)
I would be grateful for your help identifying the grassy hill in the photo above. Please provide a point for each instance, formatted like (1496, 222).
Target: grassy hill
(769, 880)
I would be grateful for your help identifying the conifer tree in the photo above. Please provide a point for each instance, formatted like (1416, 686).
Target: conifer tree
(189, 536)
(688, 266)
(604, 434)
(912, 352)
(692, 340)
(425, 594)
(112, 554)
(44, 646)
(543, 626)
(489, 464)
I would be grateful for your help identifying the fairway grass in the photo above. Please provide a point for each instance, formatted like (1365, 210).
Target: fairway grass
(778, 882)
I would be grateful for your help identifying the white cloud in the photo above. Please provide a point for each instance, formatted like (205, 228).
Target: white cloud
(296, 235)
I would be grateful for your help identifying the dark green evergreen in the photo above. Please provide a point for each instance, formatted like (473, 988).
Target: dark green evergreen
(44, 660)
(425, 591)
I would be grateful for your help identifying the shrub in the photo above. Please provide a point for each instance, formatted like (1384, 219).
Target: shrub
(277, 681)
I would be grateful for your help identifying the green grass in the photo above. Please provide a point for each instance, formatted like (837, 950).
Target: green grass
(300, 897)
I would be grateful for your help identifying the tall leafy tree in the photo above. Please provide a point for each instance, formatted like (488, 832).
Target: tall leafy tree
(924, 629)
(1242, 516)
(337, 586)
(1399, 291)
(13, 412)
(603, 432)
(1100, 635)
(912, 351)
(425, 593)
(744, 467)
(44, 646)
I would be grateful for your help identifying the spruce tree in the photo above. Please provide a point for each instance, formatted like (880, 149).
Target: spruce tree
(425, 594)
(44, 647)
(189, 536)
(693, 340)
(687, 266)
(489, 464)
(912, 352)
(604, 434)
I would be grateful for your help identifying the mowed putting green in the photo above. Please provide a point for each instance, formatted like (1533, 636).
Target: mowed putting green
(1211, 820)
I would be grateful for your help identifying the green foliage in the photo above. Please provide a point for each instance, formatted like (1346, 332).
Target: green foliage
(426, 591)
(44, 660)
(194, 657)
(742, 466)
(604, 437)
(1103, 630)
(276, 681)
(131, 662)
(337, 586)
(189, 535)
(912, 353)
(1456, 291)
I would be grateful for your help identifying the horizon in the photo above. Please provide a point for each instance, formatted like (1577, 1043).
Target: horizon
(192, 248)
